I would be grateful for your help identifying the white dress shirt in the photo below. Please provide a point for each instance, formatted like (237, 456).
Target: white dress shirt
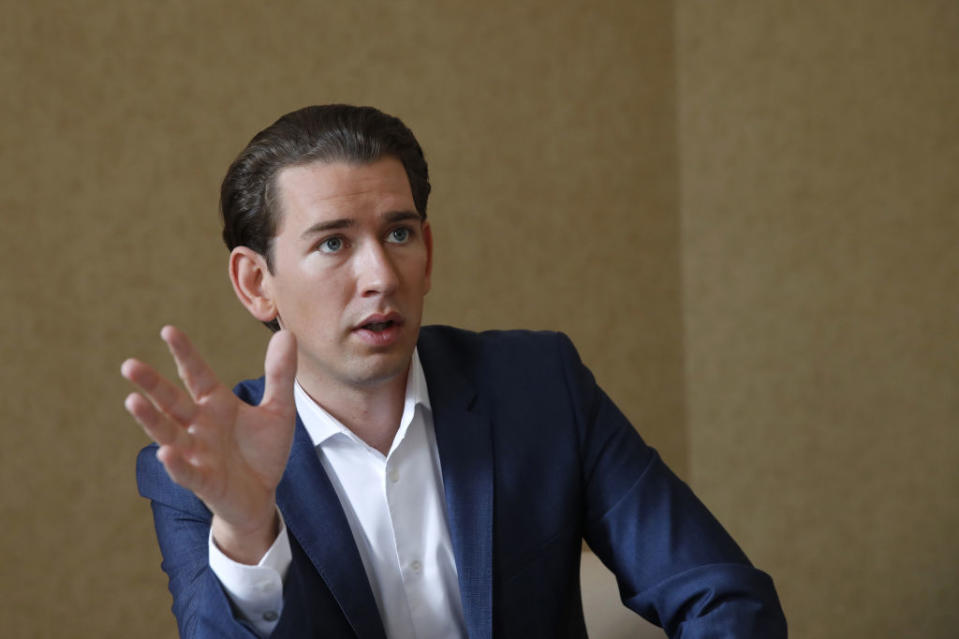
(396, 511)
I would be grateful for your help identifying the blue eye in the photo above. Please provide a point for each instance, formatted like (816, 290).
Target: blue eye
(331, 245)
(400, 235)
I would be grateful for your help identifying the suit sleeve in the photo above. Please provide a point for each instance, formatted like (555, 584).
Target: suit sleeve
(182, 523)
(255, 591)
(200, 604)
(674, 563)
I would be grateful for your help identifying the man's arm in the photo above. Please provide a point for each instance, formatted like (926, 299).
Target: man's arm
(200, 604)
(226, 453)
(674, 563)
(255, 591)
(182, 522)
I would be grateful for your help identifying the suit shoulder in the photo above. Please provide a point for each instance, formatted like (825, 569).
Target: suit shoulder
(518, 351)
(250, 390)
(155, 484)
(493, 340)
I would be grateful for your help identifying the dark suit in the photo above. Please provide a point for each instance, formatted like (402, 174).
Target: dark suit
(535, 458)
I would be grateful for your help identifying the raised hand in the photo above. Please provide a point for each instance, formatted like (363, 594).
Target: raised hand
(229, 454)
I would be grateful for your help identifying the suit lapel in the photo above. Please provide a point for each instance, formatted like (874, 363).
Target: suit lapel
(464, 442)
(314, 516)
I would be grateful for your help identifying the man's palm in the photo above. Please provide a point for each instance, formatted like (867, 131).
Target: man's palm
(231, 455)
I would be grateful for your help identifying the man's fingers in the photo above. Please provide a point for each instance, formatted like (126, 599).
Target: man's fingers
(197, 376)
(280, 369)
(160, 428)
(179, 468)
(165, 395)
(175, 442)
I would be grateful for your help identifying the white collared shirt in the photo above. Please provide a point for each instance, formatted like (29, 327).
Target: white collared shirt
(396, 511)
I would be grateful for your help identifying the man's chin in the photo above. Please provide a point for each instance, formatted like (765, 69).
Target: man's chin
(381, 368)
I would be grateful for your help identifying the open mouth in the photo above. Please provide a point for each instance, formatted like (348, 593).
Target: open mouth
(379, 327)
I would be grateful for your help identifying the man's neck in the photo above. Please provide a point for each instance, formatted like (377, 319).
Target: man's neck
(372, 413)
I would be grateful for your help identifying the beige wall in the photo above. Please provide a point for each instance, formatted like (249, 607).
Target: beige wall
(819, 157)
(746, 228)
(550, 132)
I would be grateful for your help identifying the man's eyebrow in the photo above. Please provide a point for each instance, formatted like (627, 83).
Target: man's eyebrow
(343, 223)
(329, 225)
(401, 216)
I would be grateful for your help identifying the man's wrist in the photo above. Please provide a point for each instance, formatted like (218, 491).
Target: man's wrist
(256, 592)
(246, 544)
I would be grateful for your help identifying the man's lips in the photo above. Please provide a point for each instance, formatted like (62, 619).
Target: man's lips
(380, 329)
(379, 322)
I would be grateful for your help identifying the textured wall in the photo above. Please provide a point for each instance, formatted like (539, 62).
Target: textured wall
(550, 128)
(819, 155)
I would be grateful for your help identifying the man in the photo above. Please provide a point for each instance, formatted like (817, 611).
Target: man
(384, 480)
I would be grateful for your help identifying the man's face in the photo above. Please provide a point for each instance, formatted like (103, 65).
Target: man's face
(351, 266)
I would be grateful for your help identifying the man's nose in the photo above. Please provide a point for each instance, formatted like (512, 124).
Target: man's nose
(376, 271)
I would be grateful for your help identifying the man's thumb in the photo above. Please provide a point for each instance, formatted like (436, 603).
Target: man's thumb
(280, 369)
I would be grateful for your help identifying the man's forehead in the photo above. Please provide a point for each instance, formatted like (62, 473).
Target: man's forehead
(339, 178)
(342, 188)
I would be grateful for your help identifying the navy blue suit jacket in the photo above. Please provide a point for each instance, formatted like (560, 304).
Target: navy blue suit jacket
(535, 458)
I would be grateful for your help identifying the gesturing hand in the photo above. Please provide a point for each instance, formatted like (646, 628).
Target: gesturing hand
(229, 454)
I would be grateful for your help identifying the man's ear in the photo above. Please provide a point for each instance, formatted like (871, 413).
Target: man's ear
(252, 281)
(428, 240)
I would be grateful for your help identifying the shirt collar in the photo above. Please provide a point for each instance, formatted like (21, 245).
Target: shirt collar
(321, 426)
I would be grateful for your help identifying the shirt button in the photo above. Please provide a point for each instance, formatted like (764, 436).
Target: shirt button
(270, 615)
(394, 475)
(416, 566)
